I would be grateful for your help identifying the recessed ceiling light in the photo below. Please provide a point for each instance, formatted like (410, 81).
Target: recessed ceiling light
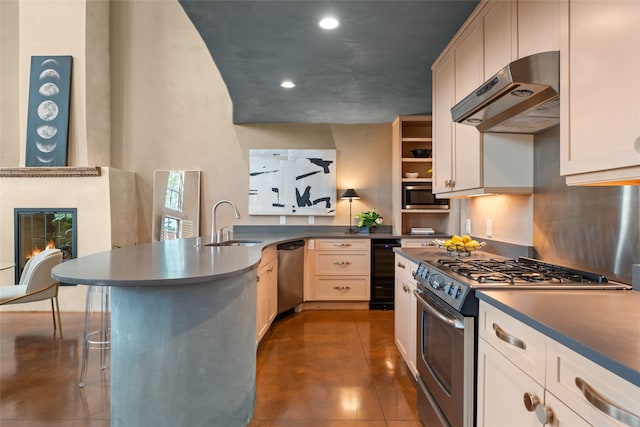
(288, 84)
(329, 23)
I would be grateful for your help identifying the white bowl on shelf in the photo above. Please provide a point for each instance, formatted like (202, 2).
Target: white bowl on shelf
(411, 174)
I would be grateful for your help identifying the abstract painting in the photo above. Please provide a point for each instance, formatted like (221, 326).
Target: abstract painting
(48, 111)
(292, 182)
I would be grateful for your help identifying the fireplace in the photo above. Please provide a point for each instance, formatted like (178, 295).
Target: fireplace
(38, 229)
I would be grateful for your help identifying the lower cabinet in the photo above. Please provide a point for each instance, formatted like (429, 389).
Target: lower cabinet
(528, 379)
(405, 311)
(267, 291)
(339, 270)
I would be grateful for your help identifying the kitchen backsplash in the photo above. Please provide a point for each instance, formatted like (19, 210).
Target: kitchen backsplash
(593, 228)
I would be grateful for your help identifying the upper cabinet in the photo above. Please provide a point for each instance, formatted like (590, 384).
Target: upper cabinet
(467, 162)
(600, 108)
(538, 26)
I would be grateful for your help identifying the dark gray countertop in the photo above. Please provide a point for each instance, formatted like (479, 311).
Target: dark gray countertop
(603, 326)
(179, 261)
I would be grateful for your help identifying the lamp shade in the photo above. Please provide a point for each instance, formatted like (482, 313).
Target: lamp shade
(350, 193)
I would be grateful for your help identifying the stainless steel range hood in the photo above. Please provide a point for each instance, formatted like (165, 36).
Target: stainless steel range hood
(523, 97)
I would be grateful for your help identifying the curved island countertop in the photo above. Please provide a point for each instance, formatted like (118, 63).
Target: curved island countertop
(183, 331)
(173, 262)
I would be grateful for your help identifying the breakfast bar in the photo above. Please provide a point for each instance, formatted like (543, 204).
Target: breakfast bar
(183, 331)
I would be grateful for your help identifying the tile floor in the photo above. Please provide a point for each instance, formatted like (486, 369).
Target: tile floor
(315, 368)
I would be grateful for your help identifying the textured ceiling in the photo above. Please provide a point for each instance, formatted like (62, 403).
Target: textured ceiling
(373, 67)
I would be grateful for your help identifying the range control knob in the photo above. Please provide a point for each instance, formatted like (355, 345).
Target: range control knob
(458, 292)
(436, 281)
(447, 288)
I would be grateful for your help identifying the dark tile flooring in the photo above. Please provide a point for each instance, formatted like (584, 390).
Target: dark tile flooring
(315, 368)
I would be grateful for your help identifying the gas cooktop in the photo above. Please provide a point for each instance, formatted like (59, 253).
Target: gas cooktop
(453, 280)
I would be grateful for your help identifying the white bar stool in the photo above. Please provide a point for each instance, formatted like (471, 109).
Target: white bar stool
(97, 327)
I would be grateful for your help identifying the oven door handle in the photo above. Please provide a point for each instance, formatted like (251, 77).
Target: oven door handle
(436, 312)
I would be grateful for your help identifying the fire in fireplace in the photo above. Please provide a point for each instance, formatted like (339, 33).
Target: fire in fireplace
(38, 229)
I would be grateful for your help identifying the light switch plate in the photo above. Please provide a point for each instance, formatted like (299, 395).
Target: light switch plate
(283, 219)
(312, 220)
(467, 226)
(489, 228)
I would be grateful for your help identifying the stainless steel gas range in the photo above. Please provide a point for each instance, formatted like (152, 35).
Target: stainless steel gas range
(447, 330)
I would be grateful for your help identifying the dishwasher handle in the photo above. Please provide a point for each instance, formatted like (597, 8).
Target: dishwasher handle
(290, 246)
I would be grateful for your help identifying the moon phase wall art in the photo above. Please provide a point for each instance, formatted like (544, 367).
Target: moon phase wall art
(292, 182)
(48, 113)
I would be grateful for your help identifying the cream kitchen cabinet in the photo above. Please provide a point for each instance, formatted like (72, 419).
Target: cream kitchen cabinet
(340, 270)
(405, 311)
(500, 36)
(267, 291)
(600, 108)
(573, 379)
(538, 26)
(528, 379)
(417, 243)
(466, 162)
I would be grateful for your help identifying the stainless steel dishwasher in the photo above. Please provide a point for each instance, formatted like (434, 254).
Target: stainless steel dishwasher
(290, 275)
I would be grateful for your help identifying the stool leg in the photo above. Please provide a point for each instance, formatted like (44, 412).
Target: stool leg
(85, 339)
(105, 328)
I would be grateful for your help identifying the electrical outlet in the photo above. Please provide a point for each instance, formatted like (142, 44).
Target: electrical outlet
(283, 219)
(489, 228)
(467, 226)
(311, 219)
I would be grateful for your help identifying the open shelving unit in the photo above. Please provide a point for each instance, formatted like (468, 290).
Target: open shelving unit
(411, 133)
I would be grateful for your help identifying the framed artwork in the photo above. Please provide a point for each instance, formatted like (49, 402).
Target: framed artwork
(48, 111)
(292, 182)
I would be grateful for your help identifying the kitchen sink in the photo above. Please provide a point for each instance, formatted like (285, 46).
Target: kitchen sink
(236, 243)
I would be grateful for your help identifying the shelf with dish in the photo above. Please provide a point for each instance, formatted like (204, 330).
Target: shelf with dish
(412, 162)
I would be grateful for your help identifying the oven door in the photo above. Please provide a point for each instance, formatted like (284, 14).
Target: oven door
(446, 360)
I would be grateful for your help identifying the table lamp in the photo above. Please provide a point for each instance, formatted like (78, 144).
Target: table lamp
(350, 194)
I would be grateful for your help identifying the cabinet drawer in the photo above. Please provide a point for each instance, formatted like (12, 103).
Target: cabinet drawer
(521, 344)
(564, 366)
(342, 245)
(417, 243)
(341, 288)
(329, 263)
(405, 268)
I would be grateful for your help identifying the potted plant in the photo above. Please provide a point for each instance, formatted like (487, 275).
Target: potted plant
(368, 220)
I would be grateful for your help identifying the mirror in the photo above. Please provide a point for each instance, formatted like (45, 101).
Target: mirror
(176, 204)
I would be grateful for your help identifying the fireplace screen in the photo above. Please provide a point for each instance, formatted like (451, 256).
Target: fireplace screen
(40, 229)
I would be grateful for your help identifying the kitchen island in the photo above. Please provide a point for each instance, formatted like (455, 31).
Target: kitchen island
(183, 331)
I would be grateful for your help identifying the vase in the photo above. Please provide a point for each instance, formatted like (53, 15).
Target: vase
(363, 230)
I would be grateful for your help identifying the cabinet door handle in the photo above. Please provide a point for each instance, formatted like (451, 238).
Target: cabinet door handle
(270, 269)
(425, 244)
(342, 288)
(508, 338)
(405, 288)
(601, 403)
(342, 262)
(341, 245)
(530, 401)
(401, 265)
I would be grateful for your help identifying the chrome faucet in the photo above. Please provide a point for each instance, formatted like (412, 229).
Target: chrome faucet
(216, 235)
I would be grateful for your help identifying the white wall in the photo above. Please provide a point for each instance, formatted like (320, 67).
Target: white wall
(171, 110)
(511, 217)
